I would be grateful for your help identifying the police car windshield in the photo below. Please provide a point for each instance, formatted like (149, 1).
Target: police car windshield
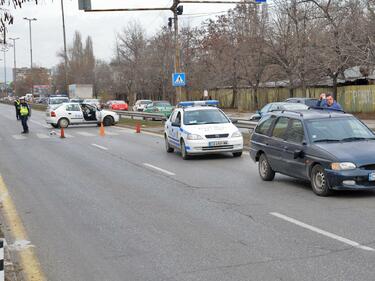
(338, 129)
(202, 117)
(58, 100)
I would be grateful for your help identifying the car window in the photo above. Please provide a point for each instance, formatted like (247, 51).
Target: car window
(73, 107)
(202, 117)
(295, 132)
(280, 127)
(178, 118)
(265, 108)
(265, 125)
(173, 116)
(337, 129)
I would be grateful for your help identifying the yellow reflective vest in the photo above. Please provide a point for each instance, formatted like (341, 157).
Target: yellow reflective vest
(24, 110)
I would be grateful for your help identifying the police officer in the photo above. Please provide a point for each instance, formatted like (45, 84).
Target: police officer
(17, 106)
(25, 113)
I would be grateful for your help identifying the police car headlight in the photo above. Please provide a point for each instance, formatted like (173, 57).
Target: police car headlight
(343, 166)
(237, 134)
(194, 137)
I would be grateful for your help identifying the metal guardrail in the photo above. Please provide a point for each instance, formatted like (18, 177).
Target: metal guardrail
(240, 123)
(140, 114)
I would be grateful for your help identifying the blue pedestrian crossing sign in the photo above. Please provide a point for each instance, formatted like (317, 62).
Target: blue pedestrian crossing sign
(178, 80)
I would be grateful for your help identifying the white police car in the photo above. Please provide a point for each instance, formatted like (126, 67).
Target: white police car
(199, 127)
(79, 113)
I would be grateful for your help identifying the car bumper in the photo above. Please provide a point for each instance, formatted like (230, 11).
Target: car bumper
(357, 179)
(51, 120)
(204, 147)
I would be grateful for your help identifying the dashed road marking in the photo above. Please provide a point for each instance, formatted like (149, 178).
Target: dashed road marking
(159, 169)
(323, 232)
(42, 136)
(99, 146)
(85, 134)
(111, 133)
(19, 137)
(40, 124)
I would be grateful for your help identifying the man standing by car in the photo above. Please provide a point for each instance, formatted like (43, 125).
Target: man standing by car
(25, 113)
(17, 107)
(329, 102)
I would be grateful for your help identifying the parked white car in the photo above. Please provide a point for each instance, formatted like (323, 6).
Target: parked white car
(201, 128)
(140, 105)
(56, 101)
(75, 114)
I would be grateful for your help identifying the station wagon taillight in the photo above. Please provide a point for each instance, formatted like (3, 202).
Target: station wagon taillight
(53, 114)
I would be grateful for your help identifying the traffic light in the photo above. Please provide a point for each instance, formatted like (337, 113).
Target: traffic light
(180, 10)
(84, 4)
(170, 22)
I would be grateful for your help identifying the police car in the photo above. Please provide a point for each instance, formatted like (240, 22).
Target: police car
(79, 113)
(199, 127)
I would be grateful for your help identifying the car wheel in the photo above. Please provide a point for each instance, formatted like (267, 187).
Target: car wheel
(63, 123)
(167, 146)
(319, 182)
(237, 154)
(108, 121)
(265, 170)
(184, 154)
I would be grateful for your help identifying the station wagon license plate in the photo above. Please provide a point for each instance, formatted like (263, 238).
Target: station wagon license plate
(217, 143)
(371, 177)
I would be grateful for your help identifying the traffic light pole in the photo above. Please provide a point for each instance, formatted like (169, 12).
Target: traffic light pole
(174, 9)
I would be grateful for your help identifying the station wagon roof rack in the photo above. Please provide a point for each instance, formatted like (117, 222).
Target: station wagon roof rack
(326, 109)
(287, 110)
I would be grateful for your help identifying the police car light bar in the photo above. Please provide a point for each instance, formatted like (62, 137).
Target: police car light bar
(198, 103)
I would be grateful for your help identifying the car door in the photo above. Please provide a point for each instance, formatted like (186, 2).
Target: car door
(175, 129)
(276, 144)
(74, 112)
(171, 129)
(294, 145)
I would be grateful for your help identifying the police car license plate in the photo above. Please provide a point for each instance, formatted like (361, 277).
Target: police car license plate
(217, 143)
(371, 177)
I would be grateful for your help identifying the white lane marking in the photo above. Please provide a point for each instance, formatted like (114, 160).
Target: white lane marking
(111, 133)
(85, 134)
(40, 124)
(42, 136)
(159, 169)
(323, 232)
(153, 134)
(99, 146)
(19, 137)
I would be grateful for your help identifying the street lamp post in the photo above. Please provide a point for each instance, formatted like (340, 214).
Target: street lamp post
(14, 65)
(31, 53)
(65, 53)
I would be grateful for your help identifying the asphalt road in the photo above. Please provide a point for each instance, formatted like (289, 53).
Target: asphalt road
(119, 207)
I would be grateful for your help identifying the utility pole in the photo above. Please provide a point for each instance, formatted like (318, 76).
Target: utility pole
(65, 53)
(5, 69)
(31, 53)
(14, 65)
(177, 10)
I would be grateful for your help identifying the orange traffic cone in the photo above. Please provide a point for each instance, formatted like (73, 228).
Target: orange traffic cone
(101, 132)
(138, 128)
(62, 133)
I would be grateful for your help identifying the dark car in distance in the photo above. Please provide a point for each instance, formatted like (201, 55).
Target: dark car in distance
(331, 149)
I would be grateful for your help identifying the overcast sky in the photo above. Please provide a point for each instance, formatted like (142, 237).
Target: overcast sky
(102, 27)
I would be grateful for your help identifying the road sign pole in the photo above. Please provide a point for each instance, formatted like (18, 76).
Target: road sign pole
(177, 50)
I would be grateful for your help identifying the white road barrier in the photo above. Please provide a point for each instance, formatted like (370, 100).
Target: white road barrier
(2, 274)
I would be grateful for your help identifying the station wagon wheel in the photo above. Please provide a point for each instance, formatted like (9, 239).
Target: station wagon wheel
(63, 123)
(184, 154)
(264, 168)
(319, 182)
(168, 148)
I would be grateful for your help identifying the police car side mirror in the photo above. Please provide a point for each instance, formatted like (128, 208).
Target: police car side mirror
(174, 124)
(234, 121)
